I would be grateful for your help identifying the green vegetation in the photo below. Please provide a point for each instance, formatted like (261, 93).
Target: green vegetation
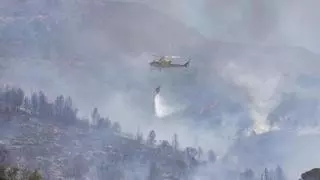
(14, 173)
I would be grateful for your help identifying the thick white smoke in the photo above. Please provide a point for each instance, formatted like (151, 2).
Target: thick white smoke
(162, 108)
(261, 91)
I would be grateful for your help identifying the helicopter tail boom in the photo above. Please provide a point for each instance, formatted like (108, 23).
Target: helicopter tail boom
(187, 64)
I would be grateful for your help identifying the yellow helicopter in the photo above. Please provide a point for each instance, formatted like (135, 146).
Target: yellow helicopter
(166, 62)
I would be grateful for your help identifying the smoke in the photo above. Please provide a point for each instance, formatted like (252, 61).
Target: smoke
(291, 23)
(163, 109)
(262, 93)
(100, 54)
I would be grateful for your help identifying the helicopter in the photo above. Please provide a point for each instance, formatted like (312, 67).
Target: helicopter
(166, 62)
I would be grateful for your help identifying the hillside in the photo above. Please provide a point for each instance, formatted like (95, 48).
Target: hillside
(36, 133)
(39, 134)
(82, 33)
(94, 28)
(100, 29)
(94, 50)
(291, 149)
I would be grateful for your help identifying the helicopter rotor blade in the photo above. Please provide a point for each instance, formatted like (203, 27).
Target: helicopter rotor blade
(177, 57)
(174, 57)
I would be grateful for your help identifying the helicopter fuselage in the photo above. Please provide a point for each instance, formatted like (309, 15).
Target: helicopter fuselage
(167, 64)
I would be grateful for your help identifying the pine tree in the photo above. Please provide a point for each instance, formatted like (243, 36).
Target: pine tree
(266, 174)
(151, 140)
(43, 105)
(248, 174)
(175, 142)
(139, 136)
(27, 104)
(95, 116)
(116, 127)
(200, 152)
(34, 103)
(153, 172)
(69, 113)
(279, 174)
(59, 106)
(18, 98)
